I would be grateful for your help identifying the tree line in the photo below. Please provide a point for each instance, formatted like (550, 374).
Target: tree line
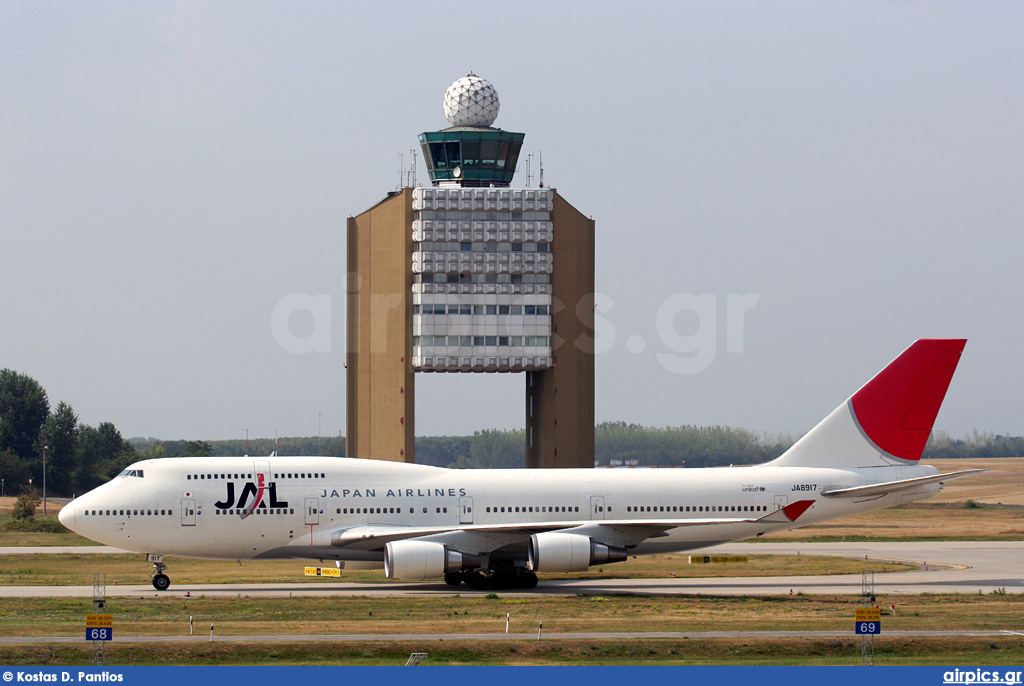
(974, 444)
(80, 457)
(615, 444)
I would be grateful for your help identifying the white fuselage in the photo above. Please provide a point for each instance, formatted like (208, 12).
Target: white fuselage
(200, 507)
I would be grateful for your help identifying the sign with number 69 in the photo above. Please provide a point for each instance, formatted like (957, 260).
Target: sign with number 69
(868, 627)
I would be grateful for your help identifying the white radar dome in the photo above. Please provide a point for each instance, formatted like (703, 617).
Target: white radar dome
(471, 101)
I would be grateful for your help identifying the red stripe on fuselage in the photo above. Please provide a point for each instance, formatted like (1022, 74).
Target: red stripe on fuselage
(796, 509)
(259, 491)
(259, 496)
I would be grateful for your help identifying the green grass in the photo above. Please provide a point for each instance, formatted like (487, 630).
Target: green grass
(667, 652)
(168, 616)
(41, 530)
(479, 614)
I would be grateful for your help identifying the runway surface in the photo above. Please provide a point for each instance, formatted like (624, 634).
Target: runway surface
(942, 567)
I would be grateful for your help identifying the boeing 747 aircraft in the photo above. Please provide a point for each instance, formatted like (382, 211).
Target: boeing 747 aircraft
(498, 528)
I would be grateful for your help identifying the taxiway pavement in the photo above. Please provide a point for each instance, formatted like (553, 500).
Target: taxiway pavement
(941, 567)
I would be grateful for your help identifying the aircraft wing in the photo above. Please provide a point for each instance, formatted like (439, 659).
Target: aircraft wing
(874, 490)
(375, 537)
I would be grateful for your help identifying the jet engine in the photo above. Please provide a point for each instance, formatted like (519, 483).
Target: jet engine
(425, 560)
(559, 552)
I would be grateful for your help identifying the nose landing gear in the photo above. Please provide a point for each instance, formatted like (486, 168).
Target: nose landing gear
(161, 581)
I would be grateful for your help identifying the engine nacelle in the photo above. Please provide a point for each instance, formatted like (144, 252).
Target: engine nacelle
(424, 560)
(559, 552)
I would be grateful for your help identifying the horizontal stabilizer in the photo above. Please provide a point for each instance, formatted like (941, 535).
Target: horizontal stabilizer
(894, 486)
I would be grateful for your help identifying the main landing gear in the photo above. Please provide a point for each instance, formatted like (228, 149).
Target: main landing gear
(494, 579)
(161, 581)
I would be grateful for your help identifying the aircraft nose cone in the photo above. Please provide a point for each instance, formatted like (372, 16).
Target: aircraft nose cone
(66, 516)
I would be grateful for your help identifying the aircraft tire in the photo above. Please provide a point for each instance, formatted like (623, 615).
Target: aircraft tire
(528, 580)
(477, 581)
(161, 582)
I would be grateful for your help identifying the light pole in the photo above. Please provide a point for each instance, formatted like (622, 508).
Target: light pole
(45, 447)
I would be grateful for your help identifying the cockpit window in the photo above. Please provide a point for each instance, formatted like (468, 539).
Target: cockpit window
(132, 472)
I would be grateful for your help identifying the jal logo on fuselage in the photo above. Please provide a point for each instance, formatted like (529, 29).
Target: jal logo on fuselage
(253, 492)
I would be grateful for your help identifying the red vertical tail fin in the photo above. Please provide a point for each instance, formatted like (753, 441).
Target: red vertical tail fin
(897, 408)
(891, 416)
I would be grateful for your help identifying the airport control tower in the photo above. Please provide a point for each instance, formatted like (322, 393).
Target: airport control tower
(470, 275)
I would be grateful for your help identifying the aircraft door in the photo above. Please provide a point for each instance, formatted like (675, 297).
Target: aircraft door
(188, 511)
(465, 510)
(597, 507)
(312, 511)
(781, 501)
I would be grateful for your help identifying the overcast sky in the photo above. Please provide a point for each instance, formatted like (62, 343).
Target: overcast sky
(836, 179)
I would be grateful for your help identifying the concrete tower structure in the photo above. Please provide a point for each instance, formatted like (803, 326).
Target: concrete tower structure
(471, 276)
